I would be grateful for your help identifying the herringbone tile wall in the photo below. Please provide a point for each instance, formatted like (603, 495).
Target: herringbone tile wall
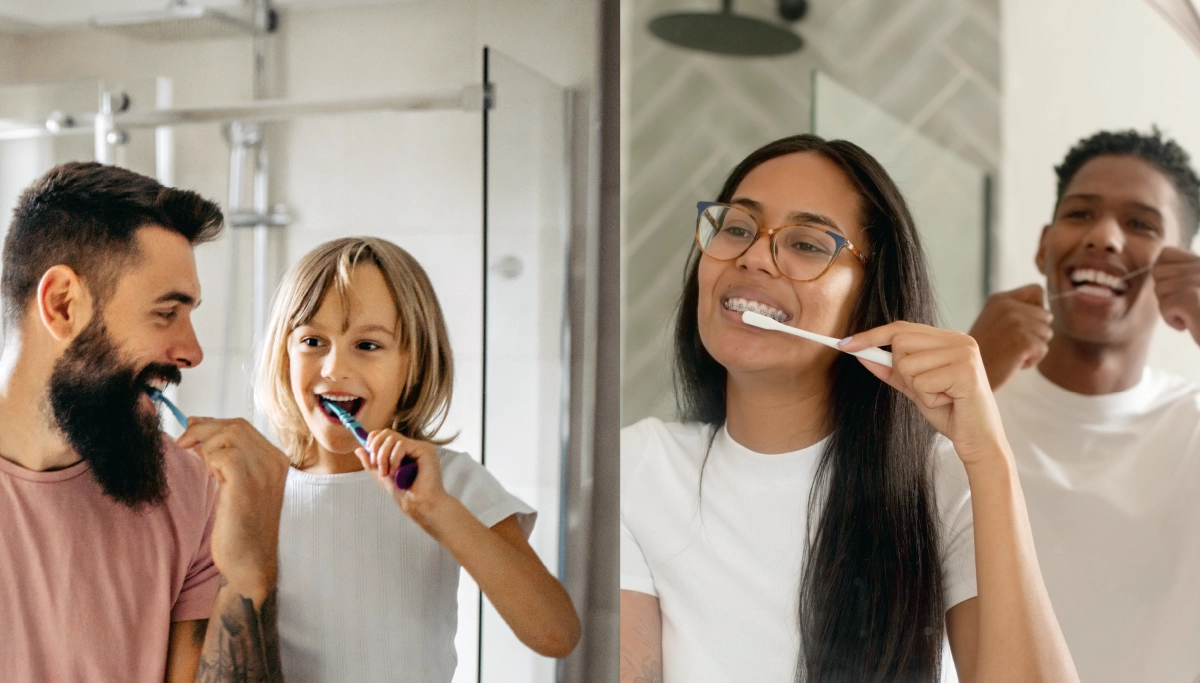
(690, 117)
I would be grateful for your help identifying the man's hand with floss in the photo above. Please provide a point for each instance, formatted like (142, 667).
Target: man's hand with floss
(1013, 332)
(1177, 285)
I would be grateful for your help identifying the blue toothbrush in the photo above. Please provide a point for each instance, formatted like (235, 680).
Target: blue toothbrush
(157, 397)
(405, 475)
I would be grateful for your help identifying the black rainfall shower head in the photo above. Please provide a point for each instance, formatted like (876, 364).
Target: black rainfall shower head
(726, 33)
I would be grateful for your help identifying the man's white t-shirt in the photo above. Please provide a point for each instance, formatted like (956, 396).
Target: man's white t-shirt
(1112, 483)
(364, 593)
(727, 580)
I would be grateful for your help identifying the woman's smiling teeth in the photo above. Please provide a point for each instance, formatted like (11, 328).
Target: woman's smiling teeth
(1097, 282)
(742, 305)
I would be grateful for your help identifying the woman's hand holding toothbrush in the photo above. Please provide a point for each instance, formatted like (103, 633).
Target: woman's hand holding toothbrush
(942, 373)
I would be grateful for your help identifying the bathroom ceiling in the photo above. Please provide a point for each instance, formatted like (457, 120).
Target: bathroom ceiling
(32, 15)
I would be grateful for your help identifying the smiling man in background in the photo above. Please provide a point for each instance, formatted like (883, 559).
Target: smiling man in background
(1107, 448)
(116, 545)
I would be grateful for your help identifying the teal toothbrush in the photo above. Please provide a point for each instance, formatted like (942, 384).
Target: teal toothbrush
(157, 397)
(404, 476)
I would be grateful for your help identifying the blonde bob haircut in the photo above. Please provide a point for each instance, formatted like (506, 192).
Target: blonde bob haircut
(425, 396)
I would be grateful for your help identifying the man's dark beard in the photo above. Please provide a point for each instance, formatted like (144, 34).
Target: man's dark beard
(94, 396)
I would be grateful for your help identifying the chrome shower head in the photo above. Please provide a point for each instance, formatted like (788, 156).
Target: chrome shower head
(726, 33)
(178, 21)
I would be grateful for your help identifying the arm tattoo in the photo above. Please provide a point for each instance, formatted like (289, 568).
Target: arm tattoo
(243, 645)
(648, 635)
(201, 627)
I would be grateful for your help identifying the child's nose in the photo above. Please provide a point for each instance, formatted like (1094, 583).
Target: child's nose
(334, 366)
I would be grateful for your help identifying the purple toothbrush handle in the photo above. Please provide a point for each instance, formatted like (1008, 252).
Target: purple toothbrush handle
(406, 474)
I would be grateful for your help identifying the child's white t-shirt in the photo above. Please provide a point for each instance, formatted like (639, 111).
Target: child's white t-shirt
(727, 582)
(1112, 484)
(364, 593)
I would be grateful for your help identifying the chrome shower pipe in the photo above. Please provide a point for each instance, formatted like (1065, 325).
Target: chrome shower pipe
(469, 98)
(262, 290)
(240, 141)
(102, 128)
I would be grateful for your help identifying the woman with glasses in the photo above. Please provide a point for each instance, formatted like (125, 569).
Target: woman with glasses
(805, 520)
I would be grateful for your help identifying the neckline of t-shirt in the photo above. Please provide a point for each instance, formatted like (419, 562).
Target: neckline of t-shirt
(1133, 400)
(341, 478)
(774, 467)
(47, 477)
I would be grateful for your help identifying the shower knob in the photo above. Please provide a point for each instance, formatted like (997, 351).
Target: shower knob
(509, 267)
(59, 121)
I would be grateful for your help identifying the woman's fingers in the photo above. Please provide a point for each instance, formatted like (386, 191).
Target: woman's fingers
(878, 336)
(887, 375)
(939, 386)
(930, 366)
(902, 336)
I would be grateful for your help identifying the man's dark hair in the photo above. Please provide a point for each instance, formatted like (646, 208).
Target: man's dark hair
(85, 215)
(1163, 153)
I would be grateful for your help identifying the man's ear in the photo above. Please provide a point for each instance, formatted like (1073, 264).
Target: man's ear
(1040, 258)
(64, 303)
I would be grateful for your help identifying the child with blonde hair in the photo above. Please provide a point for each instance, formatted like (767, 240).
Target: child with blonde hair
(368, 572)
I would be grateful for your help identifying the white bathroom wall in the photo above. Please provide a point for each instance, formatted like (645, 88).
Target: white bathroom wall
(1071, 68)
(8, 56)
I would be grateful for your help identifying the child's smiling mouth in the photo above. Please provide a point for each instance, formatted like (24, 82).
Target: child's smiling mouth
(348, 402)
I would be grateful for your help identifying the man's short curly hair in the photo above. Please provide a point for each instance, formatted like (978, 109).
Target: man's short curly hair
(1163, 153)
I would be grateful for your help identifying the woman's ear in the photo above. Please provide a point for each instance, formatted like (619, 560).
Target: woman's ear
(63, 302)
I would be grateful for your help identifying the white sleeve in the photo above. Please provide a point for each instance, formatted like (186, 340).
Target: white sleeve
(481, 493)
(957, 525)
(635, 569)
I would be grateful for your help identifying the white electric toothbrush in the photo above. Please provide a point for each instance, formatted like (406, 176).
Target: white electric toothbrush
(873, 354)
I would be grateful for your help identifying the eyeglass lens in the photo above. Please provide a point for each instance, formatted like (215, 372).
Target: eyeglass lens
(801, 252)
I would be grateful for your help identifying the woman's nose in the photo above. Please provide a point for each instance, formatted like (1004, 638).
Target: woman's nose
(758, 256)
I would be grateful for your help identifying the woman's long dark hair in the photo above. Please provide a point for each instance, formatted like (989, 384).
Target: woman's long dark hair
(871, 604)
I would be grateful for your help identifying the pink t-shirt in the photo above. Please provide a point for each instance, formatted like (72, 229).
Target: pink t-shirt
(89, 587)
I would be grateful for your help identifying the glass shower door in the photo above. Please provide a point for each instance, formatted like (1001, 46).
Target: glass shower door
(525, 228)
(947, 195)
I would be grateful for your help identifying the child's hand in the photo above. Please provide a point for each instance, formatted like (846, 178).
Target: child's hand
(387, 449)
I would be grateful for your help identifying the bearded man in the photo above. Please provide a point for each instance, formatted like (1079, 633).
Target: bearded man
(116, 544)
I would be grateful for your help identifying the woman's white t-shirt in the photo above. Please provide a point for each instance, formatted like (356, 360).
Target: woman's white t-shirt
(727, 579)
(364, 593)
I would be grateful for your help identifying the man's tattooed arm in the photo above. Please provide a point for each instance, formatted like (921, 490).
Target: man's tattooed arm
(241, 643)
